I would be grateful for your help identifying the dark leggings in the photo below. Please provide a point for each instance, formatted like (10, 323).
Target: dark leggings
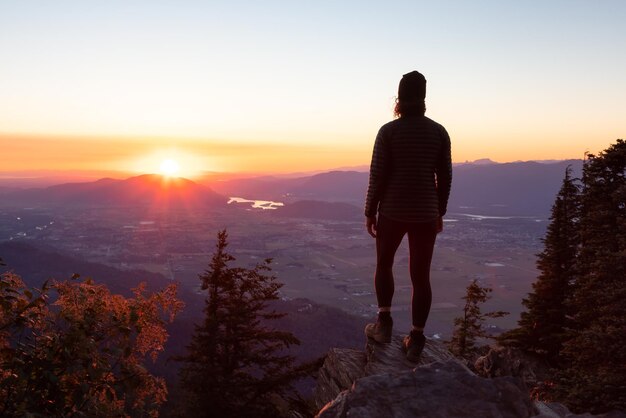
(389, 234)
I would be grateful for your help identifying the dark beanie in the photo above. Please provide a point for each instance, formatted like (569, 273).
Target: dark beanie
(412, 87)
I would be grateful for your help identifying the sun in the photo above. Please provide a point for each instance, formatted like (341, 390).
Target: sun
(173, 163)
(169, 167)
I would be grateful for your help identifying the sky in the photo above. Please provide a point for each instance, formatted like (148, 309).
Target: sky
(284, 86)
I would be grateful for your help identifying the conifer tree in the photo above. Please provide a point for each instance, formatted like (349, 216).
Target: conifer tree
(235, 365)
(470, 327)
(594, 376)
(542, 327)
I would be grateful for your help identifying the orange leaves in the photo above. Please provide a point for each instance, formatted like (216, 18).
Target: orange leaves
(147, 313)
(20, 305)
(86, 354)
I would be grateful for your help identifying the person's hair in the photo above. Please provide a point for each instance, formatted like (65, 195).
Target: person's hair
(409, 108)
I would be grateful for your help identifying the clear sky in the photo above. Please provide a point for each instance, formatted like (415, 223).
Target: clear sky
(301, 85)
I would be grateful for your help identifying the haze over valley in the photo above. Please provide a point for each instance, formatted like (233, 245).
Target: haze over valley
(312, 227)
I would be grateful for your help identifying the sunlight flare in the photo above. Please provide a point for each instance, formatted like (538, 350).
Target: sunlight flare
(169, 167)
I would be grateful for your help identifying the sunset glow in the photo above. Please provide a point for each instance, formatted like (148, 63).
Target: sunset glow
(169, 167)
(118, 92)
(180, 161)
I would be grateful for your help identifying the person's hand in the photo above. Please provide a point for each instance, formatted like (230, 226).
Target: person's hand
(370, 224)
(439, 224)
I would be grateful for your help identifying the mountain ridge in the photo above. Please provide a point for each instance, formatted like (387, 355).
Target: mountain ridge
(487, 188)
(137, 190)
(500, 189)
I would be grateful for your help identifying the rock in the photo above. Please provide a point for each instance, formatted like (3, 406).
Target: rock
(508, 361)
(381, 382)
(389, 358)
(557, 410)
(441, 389)
(343, 366)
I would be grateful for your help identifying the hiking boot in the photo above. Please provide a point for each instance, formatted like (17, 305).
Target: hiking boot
(380, 331)
(413, 344)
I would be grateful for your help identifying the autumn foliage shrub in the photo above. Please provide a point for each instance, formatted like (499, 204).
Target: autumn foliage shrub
(73, 348)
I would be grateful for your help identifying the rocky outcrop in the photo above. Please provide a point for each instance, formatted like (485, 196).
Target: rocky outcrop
(508, 361)
(380, 382)
(437, 390)
(343, 367)
(557, 410)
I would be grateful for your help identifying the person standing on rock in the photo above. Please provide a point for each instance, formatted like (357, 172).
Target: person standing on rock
(409, 185)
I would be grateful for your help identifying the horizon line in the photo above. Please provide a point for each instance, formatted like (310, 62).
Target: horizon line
(38, 174)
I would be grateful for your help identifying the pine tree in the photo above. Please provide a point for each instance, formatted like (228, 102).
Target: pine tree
(594, 377)
(470, 327)
(542, 327)
(235, 365)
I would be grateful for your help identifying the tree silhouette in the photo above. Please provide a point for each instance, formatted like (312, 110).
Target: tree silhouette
(594, 376)
(470, 327)
(542, 327)
(236, 366)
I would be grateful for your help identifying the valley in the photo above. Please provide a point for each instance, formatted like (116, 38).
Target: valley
(327, 261)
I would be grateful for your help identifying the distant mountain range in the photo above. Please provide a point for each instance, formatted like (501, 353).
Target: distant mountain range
(482, 187)
(347, 186)
(521, 188)
(148, 189)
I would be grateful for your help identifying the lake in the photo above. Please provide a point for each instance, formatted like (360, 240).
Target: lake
(257, 204)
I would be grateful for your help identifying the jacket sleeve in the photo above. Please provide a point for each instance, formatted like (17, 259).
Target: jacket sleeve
(443, 172)
(378, 171)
